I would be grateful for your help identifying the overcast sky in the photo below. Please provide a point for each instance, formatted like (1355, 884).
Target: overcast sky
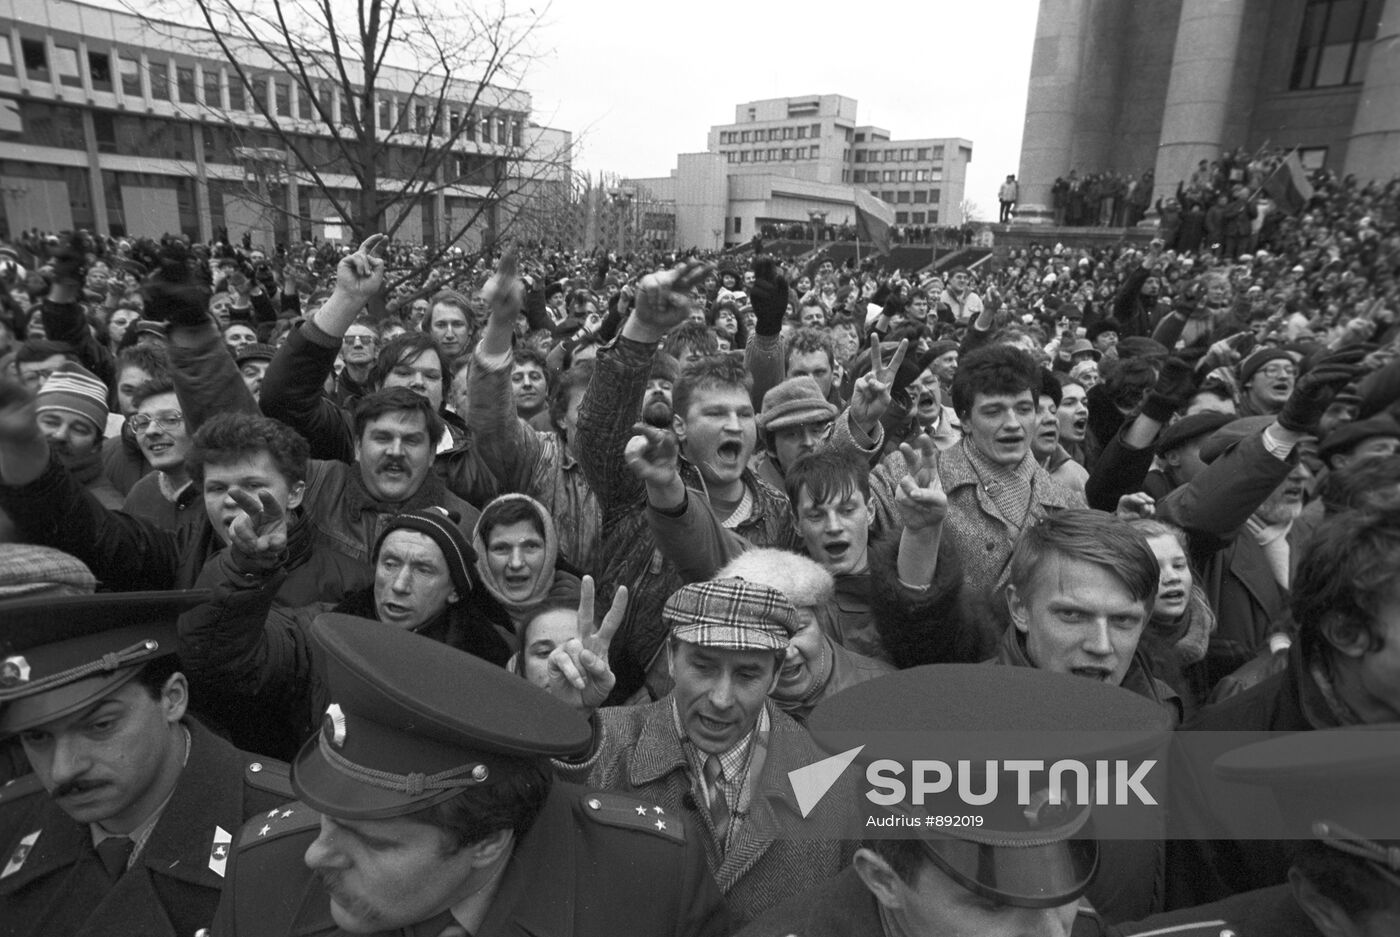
(641, 81)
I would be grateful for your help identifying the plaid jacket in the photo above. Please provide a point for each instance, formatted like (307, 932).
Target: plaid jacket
(627, 553)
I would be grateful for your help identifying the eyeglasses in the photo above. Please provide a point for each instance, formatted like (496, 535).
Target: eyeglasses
(351, 340)
(166, 421)
(1279, 370)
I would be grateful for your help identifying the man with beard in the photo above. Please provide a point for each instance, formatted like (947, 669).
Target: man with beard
(125, 825)
(240, 641)
(71, 411)
(1239, 513)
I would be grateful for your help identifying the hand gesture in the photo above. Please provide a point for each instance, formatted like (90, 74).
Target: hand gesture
(1135, 504)
(653, 455)
(361, 274)
(921, 500)
(504, 293)
(870, 397)
(18, 419)
(578, 669)
(663, 298)
(1314, 391)
(769, 297)
(258, 535)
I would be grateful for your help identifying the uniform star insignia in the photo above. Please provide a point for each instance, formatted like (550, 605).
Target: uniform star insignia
(286, 814)
(658, 810)
(641, 811)
(661, 824)
(272, 814)
(264, 831)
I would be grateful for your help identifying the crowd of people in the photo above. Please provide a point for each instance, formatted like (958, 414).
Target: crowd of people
(543, 569)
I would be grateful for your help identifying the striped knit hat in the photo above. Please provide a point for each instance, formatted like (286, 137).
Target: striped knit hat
(439, 525)
(74, 389)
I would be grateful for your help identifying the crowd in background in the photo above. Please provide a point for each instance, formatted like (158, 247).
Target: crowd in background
(893, 453)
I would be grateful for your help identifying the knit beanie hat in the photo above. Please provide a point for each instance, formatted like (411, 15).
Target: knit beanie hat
(1260, 358)
(74, 389)
(440, 525)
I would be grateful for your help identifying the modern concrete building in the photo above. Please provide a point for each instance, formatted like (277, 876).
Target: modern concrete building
(117, 124)
(786, 160)
(1163, 84)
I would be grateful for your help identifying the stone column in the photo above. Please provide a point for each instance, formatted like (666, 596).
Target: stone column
(1051, 104)
(1199, 92)
(1373, 149)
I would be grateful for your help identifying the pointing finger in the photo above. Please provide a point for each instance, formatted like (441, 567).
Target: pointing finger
(245, 500)
(613, 619)
(271, 510)
(898, 358)
(371, 244)
(509, 266)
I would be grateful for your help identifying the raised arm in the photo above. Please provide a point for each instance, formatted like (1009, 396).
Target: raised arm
(292, 389)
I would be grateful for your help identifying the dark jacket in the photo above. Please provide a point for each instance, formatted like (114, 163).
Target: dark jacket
(1234, 572)
(627, 553)
(123, 461)
(1210, 867)
(260, 656)
(1266, 912)
(639, 753)
(56, 886)
(580, 871)
(292, 392)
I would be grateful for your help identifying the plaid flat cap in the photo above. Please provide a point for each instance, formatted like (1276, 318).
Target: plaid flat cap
(731, 613)
(26, 569)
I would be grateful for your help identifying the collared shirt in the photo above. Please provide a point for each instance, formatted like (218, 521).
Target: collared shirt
(142, 833)
(736, 764)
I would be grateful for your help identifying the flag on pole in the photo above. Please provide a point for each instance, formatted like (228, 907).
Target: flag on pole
(873, 219)
(1288, 184)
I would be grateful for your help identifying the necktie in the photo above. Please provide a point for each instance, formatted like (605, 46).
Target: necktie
(719, 807)
(115, 852)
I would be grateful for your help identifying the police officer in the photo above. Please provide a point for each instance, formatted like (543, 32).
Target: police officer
(932, 863)
(428, 807)
(1338, 787)
(125, 825)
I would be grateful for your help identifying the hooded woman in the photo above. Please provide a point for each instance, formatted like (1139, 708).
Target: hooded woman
(517, 557)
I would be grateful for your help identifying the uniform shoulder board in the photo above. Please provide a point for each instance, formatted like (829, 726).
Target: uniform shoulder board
(629, 813)
(19, 788)
(270, 775)
(295, 817)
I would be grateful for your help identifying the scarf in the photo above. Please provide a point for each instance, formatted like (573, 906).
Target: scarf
(86, 470)
(1273, 540)
(521, 611)
(1189, 635)
(1011, 490)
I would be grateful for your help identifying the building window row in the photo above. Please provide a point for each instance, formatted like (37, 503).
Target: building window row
(918, 217)
(773, 155)
(1335, 43)
(898, 175)
(184, 88)
(920, 154)
(905, 196)
(770, 135)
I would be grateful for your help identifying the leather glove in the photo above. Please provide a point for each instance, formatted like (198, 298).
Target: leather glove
(1176, 382)
(70, 260)
(769, 296)
(1313, 394)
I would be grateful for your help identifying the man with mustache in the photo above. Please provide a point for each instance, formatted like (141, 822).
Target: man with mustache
(126, 823)
(429, 807)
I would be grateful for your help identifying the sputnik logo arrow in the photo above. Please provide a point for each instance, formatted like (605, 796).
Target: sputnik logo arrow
(811, 783)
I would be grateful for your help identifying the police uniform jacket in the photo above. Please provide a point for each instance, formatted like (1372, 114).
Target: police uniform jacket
(592, 864)
(1267, 912)
(639, 752)
(844, 907)
(52, 883)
